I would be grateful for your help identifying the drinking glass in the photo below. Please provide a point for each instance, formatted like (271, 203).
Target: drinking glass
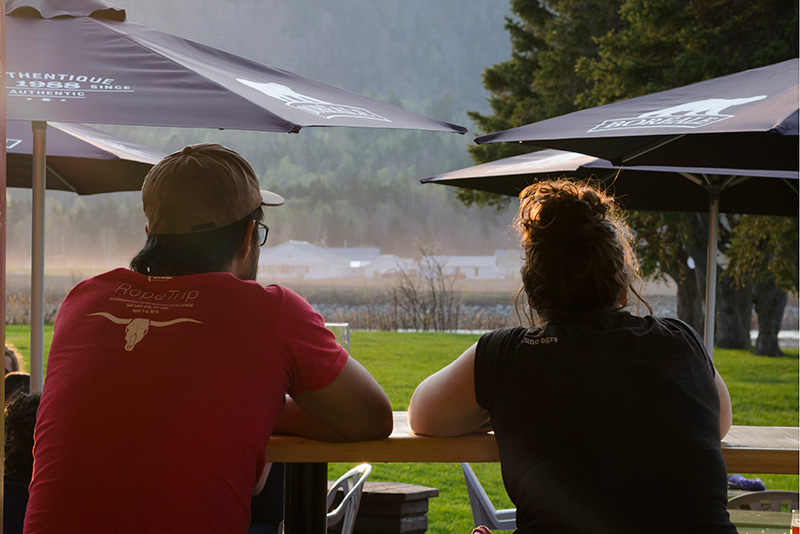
(795, 521)
(342, 333)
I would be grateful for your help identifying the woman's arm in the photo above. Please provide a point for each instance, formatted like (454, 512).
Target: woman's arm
(444, 404)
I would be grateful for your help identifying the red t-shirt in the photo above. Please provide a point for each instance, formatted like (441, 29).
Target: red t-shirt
(160, 396)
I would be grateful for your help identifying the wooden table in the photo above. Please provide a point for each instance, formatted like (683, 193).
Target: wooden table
(762, 449)
(746, 449)
(753, 522)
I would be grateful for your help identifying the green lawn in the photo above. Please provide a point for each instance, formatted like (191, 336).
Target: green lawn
(764, 392)
(20, 337)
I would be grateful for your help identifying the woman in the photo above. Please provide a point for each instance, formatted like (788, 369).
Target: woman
(605, 421)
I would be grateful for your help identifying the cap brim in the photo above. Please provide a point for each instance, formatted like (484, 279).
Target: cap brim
(268, 198)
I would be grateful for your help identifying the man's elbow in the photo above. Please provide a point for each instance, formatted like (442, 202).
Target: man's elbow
(381, 429)
(384, 423)
(374, 422)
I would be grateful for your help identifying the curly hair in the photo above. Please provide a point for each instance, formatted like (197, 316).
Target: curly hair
(20, 416)
(577, 250)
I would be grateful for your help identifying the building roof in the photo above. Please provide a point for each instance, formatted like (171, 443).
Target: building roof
(297, 252)
(360, 254)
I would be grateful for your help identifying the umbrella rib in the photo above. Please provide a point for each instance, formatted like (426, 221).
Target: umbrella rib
(691, 177)
(709, 181)
(733, 180)
(652, 146)
(61, 178)
(792, 184)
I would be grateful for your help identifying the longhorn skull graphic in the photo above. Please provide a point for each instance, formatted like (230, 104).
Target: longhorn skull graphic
(139, 326)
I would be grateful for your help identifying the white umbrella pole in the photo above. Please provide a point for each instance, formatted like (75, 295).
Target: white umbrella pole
(711, 266)
(37, 256)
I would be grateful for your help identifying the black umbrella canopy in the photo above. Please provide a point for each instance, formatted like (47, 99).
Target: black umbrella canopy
(79, 61)
(653, 188)
(80, 159)
(747, 120)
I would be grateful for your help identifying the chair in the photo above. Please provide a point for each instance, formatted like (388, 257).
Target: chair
(483, 511)
(769, 500)
(352, 484)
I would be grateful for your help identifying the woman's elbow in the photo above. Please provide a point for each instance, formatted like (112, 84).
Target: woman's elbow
(422, 420)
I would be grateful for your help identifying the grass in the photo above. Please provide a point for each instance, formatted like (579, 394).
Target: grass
(764, 392)
(20, 337)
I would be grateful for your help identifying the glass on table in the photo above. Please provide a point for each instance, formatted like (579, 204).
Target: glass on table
(342, 333)
(795, 521)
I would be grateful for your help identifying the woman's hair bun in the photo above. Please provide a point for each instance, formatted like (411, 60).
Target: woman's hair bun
(577, 247)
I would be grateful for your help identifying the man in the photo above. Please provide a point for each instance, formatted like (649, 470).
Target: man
(164, 382)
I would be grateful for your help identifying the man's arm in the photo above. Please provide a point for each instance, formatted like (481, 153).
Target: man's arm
(353, 407)
(444, 404)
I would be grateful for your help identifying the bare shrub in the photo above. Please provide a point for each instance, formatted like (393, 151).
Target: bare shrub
(425, 299)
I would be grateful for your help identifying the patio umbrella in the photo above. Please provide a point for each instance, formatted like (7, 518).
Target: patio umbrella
(80, 159)
(747, 120)
(645, 187)
(80, 61)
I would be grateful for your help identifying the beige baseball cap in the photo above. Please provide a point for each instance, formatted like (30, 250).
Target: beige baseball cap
(200, 188)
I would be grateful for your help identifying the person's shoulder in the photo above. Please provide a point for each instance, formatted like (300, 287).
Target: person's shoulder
(674, 332)
(282, 292)
(503, 335)
(114, 276)
(673, 324)
(286, 298)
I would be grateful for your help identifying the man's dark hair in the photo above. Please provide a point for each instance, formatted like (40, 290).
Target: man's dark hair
(202, 252)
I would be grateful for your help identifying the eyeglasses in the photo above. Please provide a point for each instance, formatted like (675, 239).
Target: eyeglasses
(263, 232)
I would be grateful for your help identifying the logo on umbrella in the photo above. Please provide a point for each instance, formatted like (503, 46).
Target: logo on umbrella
(689, 115)
(49, 85)
(311, 105)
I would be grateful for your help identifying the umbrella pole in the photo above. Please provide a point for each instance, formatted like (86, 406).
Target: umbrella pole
(37, 256)
(711, 265)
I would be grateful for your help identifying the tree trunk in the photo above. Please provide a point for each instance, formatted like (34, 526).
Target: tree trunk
(770, 301)
(734, 311)
(691, 281)
(690, 300)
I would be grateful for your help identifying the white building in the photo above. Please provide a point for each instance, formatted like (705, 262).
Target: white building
(388, 265)
(300, 259)
(470, 267)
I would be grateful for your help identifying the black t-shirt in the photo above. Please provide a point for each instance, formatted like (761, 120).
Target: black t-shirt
(606, 422)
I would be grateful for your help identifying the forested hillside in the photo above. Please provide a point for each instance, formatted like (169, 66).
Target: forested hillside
(344, 186)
